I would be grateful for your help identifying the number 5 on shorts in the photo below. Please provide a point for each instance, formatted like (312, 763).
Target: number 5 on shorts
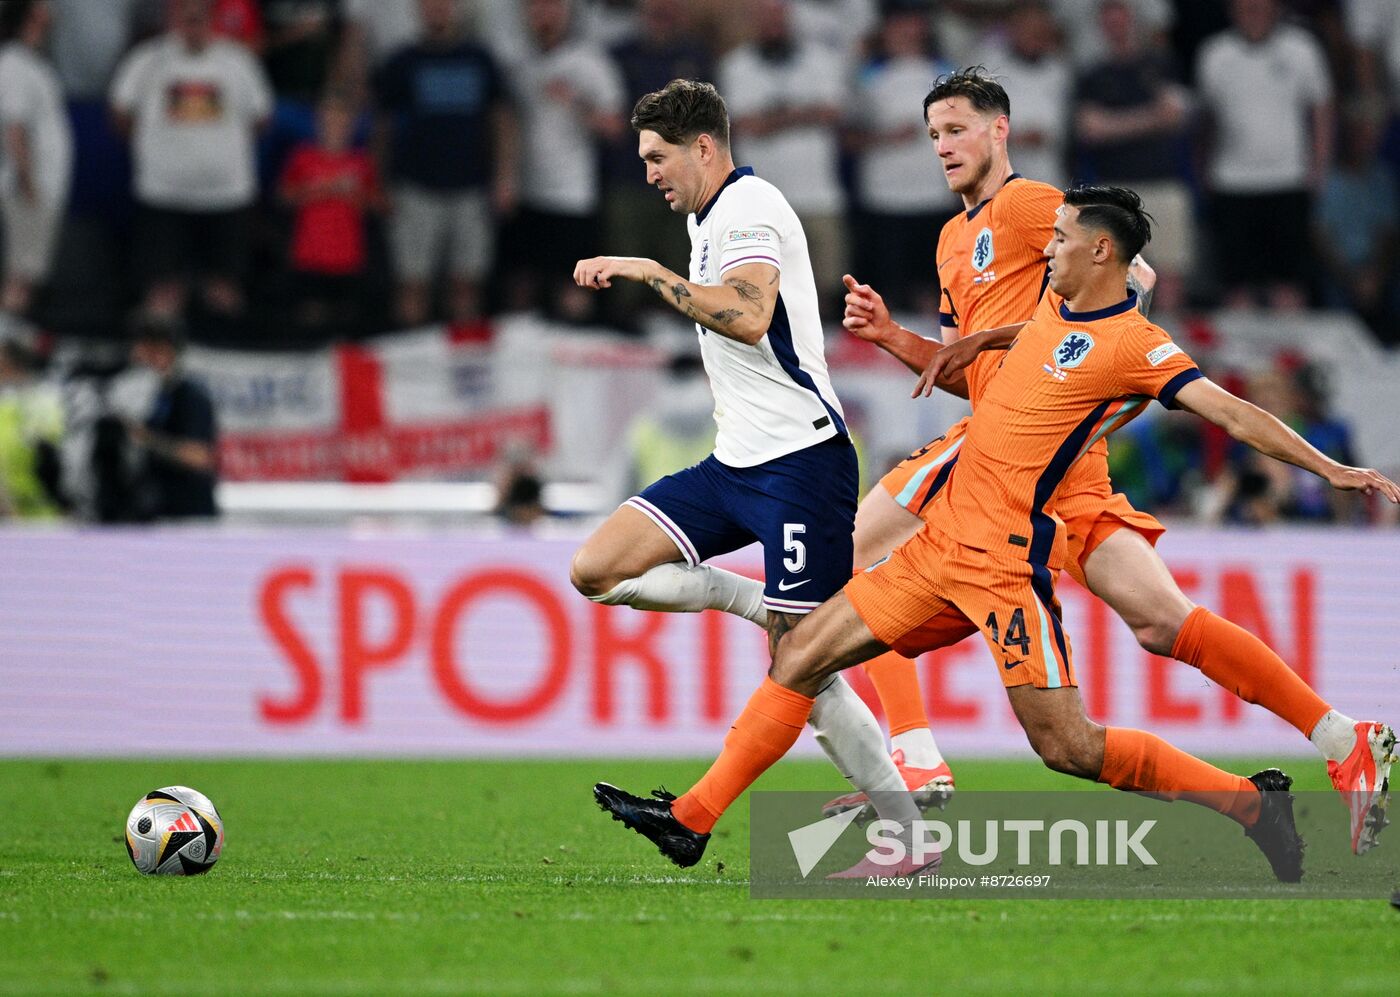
(795, 547)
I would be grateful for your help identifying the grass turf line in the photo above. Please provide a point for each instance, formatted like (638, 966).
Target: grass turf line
(502, 877)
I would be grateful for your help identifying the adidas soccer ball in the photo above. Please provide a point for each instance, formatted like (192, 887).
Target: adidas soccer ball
(174, 831)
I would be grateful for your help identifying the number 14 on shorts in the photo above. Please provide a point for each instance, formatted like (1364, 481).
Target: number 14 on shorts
(1015, 637)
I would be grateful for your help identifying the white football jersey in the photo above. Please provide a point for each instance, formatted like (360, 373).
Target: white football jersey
(775, 397)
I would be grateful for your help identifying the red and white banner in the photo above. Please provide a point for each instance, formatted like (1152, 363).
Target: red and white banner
(216, 642)
(438, 402)
(429, 402)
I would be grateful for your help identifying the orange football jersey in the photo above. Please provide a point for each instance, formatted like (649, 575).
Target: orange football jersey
(1066, 383)
(992, 264)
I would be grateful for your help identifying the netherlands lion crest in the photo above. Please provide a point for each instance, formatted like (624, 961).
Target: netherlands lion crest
(983, 252)
(1073, 349)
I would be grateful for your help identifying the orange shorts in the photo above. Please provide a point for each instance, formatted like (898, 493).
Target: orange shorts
(1092, 511)
(915, 480)
(931, 582)
(1086, 502)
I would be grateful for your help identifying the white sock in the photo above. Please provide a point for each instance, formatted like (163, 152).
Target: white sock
(680, 588)
(1334, 735)
(851, 737)
(919, 747)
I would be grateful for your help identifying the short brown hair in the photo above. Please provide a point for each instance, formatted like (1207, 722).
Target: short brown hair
(982, 91)
(683, 110)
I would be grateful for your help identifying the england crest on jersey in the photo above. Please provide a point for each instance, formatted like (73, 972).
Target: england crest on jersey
(1073, 349)
(983, 252)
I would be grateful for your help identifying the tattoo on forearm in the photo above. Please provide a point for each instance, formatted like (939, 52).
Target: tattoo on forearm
(679, 292)
(1144, 295)
(774, 279)
(726, 315)
(748, 291)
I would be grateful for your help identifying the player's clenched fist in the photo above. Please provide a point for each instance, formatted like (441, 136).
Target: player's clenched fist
(866, 314)
(598, 272)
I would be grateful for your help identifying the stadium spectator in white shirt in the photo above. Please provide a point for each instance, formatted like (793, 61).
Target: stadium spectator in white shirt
(1038, 78)
(193, 105)
(902, 196)
(36, 152)
(1268, 94)
(569, 95)
(786, 95)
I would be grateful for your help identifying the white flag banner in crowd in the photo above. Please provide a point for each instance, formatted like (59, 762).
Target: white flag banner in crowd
(424, 402)
(440, 402)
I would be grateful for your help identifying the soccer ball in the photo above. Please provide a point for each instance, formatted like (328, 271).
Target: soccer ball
(174, 831)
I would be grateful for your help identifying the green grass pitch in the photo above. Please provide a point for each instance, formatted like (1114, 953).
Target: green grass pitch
(501, 877)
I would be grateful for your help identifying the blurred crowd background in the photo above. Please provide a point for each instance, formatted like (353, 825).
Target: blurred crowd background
(282, 174)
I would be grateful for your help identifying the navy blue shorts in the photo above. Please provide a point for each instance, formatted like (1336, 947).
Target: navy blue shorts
(801, 507)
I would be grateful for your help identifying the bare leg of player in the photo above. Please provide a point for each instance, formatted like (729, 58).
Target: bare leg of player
(830, 638)
(630, 561)
(882, 524)
(1135, 761)
(1126, 572)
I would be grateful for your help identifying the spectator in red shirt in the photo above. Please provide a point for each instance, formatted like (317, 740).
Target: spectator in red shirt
(330, 185)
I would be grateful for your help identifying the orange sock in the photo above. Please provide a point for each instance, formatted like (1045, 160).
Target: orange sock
(896, 679)
(764, 732)
(1137, 761)
(1234, 658)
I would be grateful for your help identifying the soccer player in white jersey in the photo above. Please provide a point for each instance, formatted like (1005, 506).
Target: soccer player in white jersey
(784, 471)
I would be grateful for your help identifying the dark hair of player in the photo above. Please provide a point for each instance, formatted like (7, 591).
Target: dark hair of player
(1115, 210)
(681, 111)
(983, 92)
(13, 16)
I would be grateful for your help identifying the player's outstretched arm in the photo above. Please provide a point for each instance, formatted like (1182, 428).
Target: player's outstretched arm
(945, 367)
(1254, 427)
(741, 308)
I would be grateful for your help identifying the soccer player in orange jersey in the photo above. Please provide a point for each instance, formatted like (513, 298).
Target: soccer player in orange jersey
(993, 272)
(1085, 364)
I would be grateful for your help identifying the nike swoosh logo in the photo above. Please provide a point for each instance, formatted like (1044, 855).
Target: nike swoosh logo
(785, 587)
(944, 264)
(1012, 665)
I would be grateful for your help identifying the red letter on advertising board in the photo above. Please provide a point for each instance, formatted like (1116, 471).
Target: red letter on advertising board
(1096, 679)
(1161, 703)
(357, 656)
(556, 625)
(937, 698)
(712, 668)
(610, 646)
(1240, 603)
(279, 626)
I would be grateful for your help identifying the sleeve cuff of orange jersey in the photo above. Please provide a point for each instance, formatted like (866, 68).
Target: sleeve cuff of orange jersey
(1167, 396)
(946, 321)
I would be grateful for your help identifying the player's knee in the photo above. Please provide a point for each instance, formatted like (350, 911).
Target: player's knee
(591, 575)
(1157, 629)
(1156, 637)
(796, 662)
(1067, 751)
